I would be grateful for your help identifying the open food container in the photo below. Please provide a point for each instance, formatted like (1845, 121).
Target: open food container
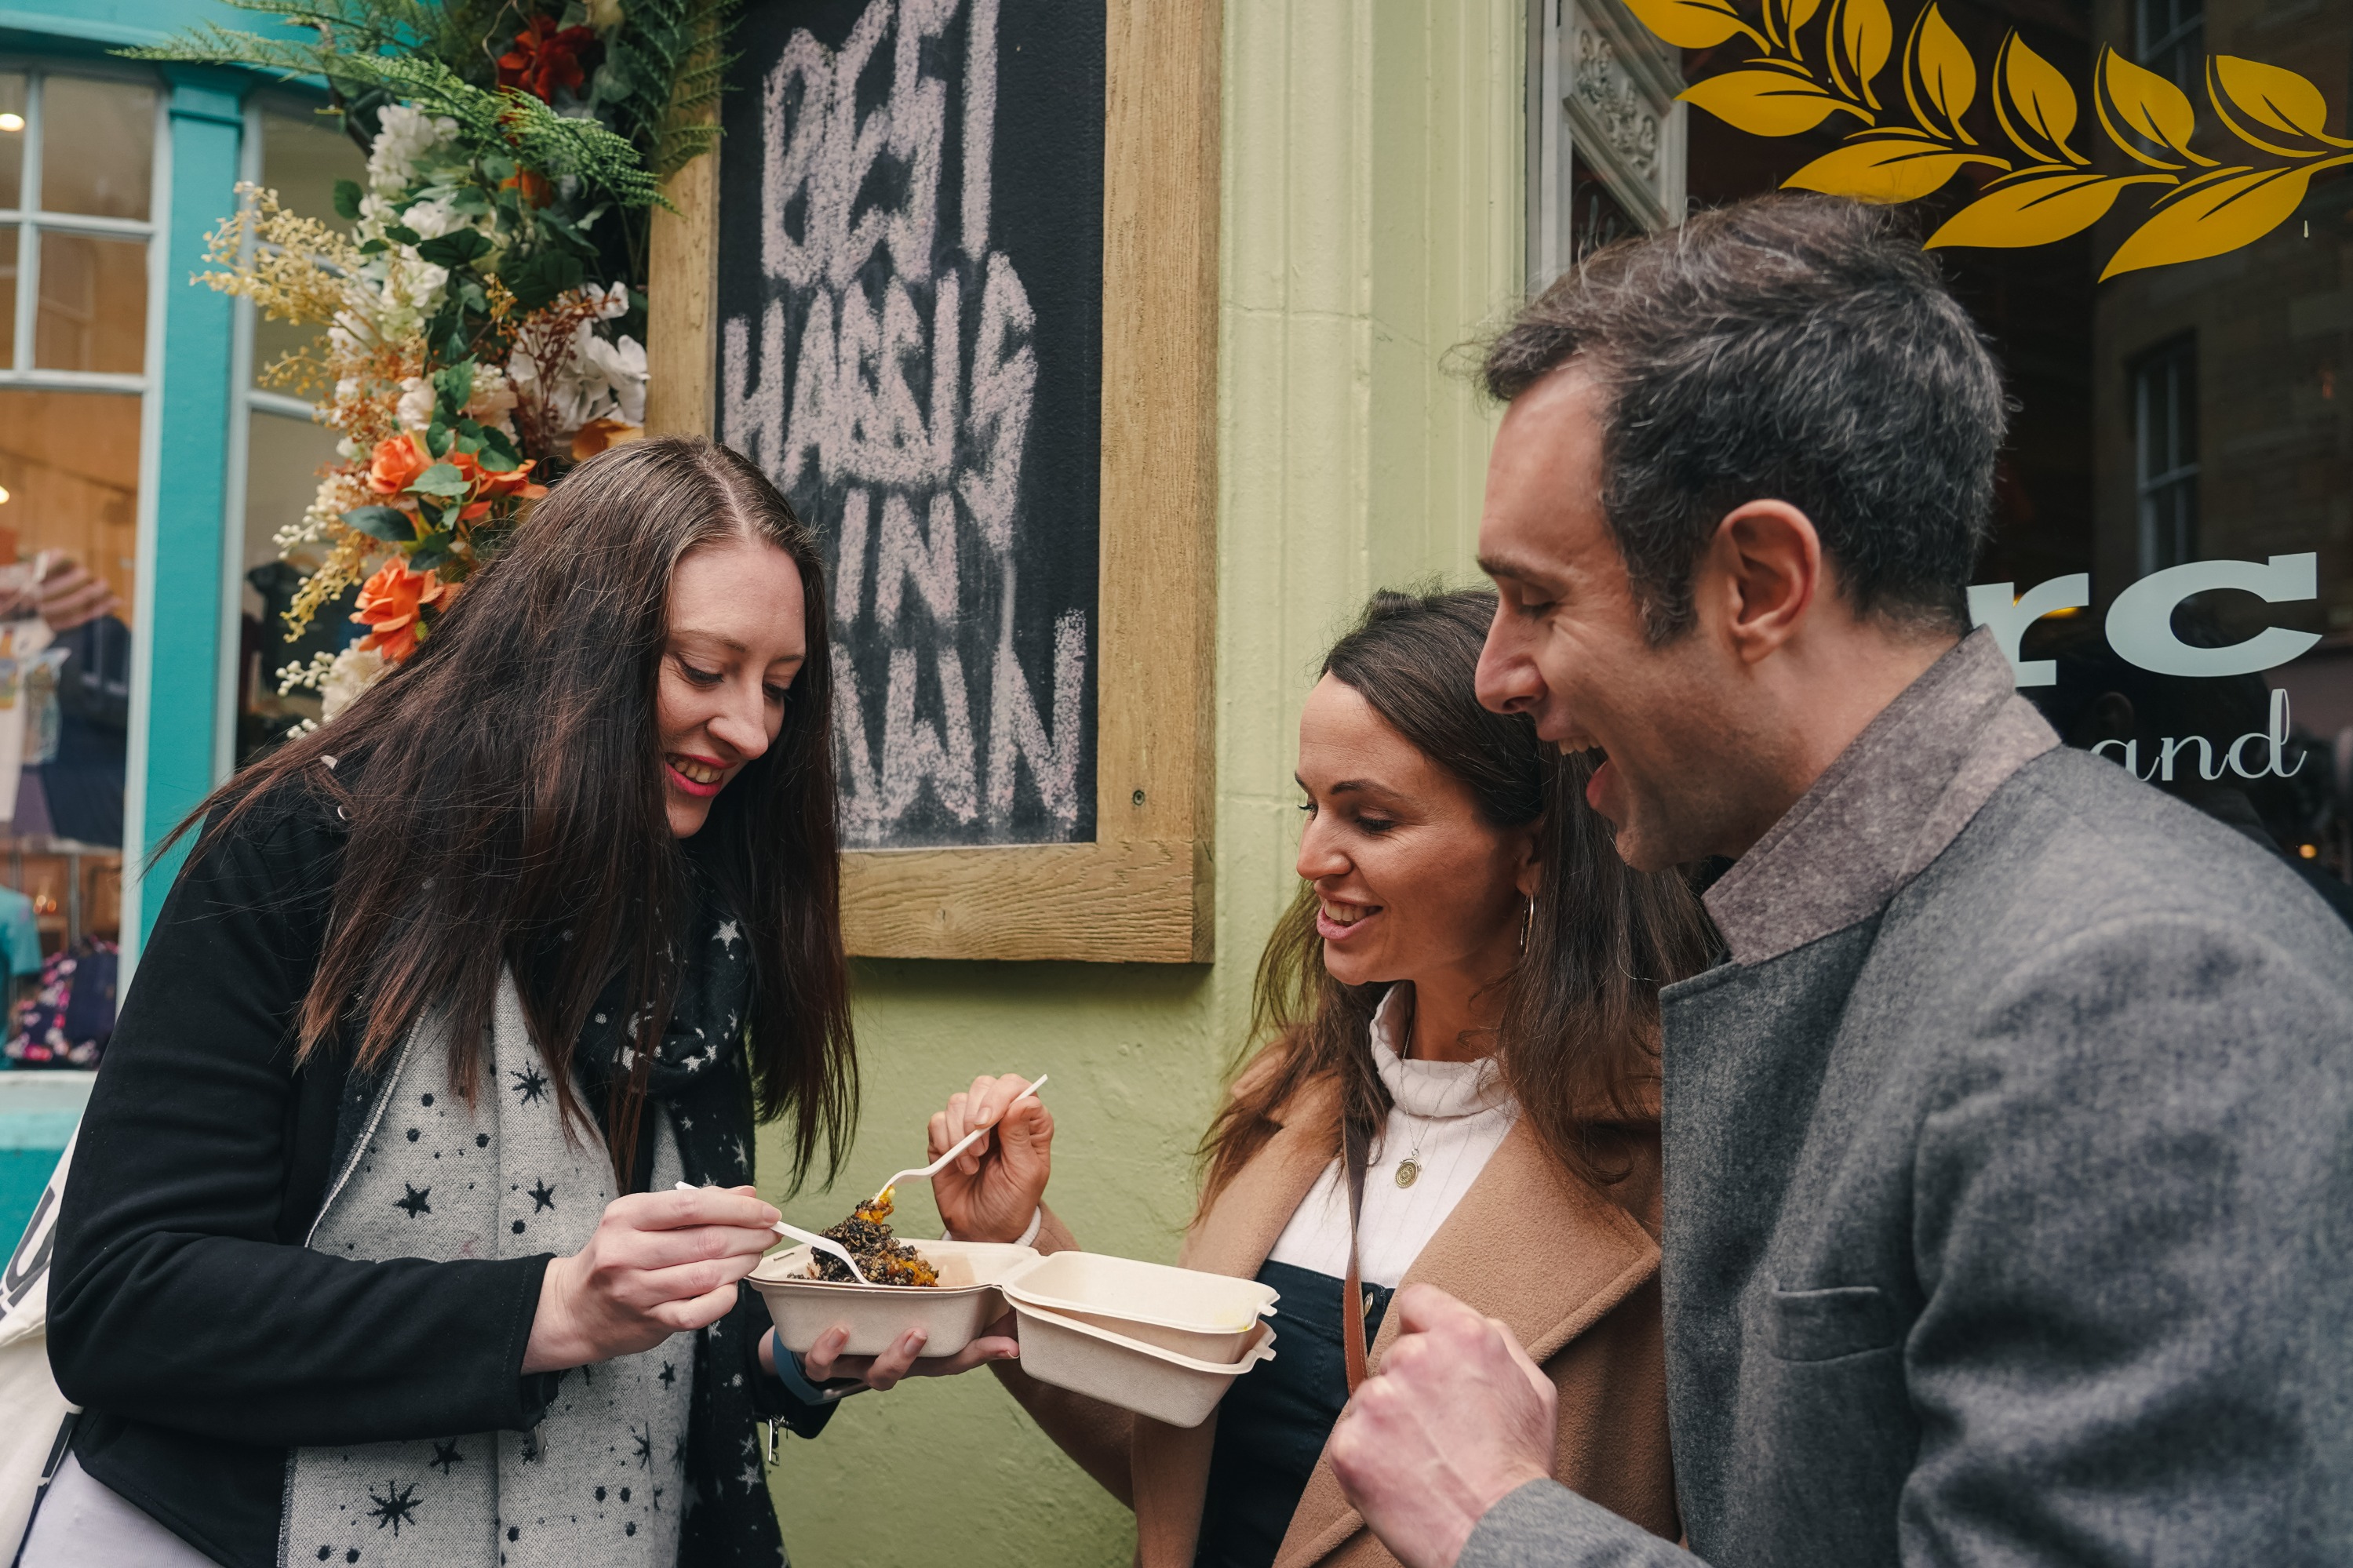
(1208, 1316)
(1179, 1390)
(951, 1314)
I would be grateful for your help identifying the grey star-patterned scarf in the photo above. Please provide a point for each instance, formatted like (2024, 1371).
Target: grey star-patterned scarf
(641, 1460)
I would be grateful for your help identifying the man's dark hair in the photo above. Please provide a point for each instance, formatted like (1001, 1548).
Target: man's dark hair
(1801, 349)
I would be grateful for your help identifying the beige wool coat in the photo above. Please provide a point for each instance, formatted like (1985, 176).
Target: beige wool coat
(1584, 1303)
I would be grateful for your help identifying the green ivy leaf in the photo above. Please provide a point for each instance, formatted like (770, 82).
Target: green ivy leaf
(347, 200)
(430, 552)
(441, 479)
(499, 454)
(456, 249)
(542, 274)
(437, 439)
(454, 384)
(402, 234)
(387, 523)
(374, 247)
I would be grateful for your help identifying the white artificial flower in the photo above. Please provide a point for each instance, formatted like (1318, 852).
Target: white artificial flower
(605, 15)
(402, 136)
(432, 219)
(621, 368)
(415, 409)
(612, 304)
(354, 671)
(493, 401)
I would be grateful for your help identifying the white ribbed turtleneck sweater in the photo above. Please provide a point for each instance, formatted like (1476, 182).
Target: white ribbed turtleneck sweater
(1450, 1117)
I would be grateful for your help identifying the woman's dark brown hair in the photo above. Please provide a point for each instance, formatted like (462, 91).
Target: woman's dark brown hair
(505, 802)
(1578, 1039)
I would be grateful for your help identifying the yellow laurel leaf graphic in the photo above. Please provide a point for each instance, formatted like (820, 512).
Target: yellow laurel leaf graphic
(2150, 107)
(1800, 13)
(1763, 102)
(1884, 169)
(2271, 96)
(1864, 35)
(2220, 216)
(1941, 62)
(2039, 101)
(1691, 23)
(2035, 210)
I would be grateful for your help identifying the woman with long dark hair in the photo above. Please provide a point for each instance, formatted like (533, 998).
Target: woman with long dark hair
(371, 1251)
(1461, 1005)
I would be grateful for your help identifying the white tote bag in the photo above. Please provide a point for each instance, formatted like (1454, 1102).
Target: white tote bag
(32, 1412)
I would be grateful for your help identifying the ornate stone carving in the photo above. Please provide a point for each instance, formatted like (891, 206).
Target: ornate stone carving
(1618, 107)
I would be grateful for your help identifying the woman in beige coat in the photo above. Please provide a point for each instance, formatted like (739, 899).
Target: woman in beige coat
(1470, 976)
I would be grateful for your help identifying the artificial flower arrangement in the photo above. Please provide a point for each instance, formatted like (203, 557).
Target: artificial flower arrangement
(484, 295)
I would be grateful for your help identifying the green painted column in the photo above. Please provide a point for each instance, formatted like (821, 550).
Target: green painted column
(175, 703)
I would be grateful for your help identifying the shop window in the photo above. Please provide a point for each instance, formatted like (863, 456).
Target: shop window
(93, 305)
(76, 187)
(300, 155)
(1605, 132)
(2180, 410)
(2170, 40)
(2165, 446)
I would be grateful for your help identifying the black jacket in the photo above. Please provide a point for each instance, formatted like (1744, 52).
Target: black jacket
(186, 1315)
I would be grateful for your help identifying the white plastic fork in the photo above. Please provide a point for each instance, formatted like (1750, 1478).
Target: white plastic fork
(822, 1243)
(963, 1143)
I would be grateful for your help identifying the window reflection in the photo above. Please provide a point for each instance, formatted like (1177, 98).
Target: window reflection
(302, 156)
(68, 532)
(8, 243)
(2165, 439)
(98, 146)
(2196, 411)
(93, 309)
(12, 138)
(284, 458)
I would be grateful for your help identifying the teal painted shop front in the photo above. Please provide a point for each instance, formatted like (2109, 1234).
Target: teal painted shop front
(127, 390)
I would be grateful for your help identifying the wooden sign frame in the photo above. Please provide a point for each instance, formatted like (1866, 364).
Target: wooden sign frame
(1143, 889)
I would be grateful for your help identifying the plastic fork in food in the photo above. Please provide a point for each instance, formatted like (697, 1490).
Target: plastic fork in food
(963, 1143)
(822, 1243)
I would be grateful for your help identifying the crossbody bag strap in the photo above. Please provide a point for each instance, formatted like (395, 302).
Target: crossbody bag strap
(1354, 1156)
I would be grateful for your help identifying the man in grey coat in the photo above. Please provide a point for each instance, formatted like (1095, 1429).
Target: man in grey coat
(2009, 1151)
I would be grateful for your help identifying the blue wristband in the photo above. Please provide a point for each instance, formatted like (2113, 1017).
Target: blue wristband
(795, 1377)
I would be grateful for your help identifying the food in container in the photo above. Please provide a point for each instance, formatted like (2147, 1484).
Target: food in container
(881, 1257)
(1085, 1358)
(953, 1312)
(1208, 1317)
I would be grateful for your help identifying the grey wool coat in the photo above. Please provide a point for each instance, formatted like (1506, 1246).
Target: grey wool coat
(2008, 1180)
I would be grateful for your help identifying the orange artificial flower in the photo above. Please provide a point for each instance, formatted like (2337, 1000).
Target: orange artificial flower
(489, 486)
(391, 604)
(397, 462)
(534, 188)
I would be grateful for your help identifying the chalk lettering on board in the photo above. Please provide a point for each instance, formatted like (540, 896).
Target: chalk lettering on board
(884, 368)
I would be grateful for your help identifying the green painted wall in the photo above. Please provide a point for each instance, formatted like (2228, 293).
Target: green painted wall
(1371, 221)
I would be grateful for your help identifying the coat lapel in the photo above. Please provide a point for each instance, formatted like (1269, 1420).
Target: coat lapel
(1585, 1256)
(1170, 1465)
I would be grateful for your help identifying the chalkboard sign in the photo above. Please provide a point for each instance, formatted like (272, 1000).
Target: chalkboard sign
(909, 294)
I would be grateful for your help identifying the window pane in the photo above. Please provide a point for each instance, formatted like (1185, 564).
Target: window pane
(2195, 411)
(273, 340)
(7, 296)
(70, 462)
(98, 141)
(12, 137)
(302, 156)
(283, 459)
(93, 313)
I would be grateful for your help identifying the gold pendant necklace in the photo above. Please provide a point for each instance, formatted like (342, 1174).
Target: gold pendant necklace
(1409, 1169)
